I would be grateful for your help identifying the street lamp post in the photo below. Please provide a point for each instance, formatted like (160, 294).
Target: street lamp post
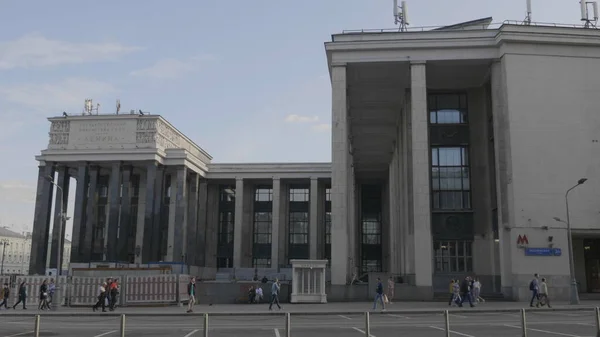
(61, 217)
(574, 292)
(4, 244)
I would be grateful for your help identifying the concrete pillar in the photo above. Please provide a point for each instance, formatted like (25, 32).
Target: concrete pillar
(314, 218)
(238, 223)
(159, 220)
(141, 211)
(339, 177)
(211, 223)
(150, 190)
(393, 224)
(194, 238)
(405, 189)
(59, 227)
(177, 229)
(284, 216)
(81, 192)
(275, 226)
(91, 216)
(41, 221)
(125, 217)
(247, 225)
(114, 195)
(420, 176)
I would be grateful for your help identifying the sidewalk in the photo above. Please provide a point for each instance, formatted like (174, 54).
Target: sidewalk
(358, 307)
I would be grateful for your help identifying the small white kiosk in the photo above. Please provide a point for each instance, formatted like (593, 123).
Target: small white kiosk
(308, 281)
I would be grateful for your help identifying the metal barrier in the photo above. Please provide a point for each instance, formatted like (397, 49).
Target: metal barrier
(38, 322)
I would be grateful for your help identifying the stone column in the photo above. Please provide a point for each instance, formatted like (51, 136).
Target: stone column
(238, 223)
(141, 221)
(125, 217)
(194, 237)
(314, 218)
(393, 245)
(41, 220)
(339, 177)
(158, 218)
(151, 177)
(79, 217)
(284, 216)
(114, 195)
(420, 176)
(211, 223)
(91, 216)
(59, 224)
(276, 222)
(177, 229)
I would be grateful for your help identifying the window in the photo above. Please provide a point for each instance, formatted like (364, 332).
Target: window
(447, 109)
(227, 194)
(299, 194)
(261, 263)
(263, 194)
(328, 194)
(328, 228)
(298, 228)
(453, 256)
(371, 229)
(262, 227)
(450, 178)
(226, 222)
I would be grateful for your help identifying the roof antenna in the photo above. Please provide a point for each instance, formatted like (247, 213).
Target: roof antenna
(400, 15)
(585, 15)
(527, 20)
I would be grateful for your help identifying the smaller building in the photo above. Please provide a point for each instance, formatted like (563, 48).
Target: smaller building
(14, 250)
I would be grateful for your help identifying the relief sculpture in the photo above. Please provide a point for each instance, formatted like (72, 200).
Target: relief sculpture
(60, 126)
(59, 138)
(168, 132)
(146, 124)
(145, 137)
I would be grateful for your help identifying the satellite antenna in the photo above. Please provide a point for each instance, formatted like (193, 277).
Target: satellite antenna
(400, 15)
(585, 15)
(527, 20)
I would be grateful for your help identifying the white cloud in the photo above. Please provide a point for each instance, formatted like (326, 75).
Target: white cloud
(321, 127)
(173, 68)
(35, 50)
(53, 98)
(17, 191)
(301, 119)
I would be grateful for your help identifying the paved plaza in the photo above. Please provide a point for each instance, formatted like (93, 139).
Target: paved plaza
(339, 319)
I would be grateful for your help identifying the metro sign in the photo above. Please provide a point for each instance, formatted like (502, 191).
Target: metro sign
(522, 241)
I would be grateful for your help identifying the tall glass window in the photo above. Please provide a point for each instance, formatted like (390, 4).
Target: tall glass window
(263, 194)
(299, 194)
(448, 109)
(328, 224)
(453, 256)
(226, 223)
(262, 239)
(299, 228)
(450, 178)
(225, 230)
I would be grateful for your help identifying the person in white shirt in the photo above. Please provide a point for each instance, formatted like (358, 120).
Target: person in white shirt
(390, 289)
(543, 296)
(477, 291)
(101, 298)
(259, 294)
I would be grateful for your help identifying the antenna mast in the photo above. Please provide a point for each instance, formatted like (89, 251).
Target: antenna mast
(527, 20)
(89, 108)
(400, 15)
(585, 14)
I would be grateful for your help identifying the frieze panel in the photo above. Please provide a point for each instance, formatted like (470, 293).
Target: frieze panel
(164, 143)
(60, 126)
(146, 124)
(145, 137)
(168, 133)
(59, 138)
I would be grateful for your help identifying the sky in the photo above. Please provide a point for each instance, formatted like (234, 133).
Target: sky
(246, 80)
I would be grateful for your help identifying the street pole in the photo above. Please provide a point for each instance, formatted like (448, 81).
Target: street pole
(61, 218)
(574, 292)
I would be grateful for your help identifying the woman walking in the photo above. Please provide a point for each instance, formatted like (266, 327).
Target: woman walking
(44, 296)
(22, 296)
(101, 298)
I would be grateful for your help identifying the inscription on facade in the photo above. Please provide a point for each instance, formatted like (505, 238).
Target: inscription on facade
(102, 132)
(60, 126)
(145, 137)
(146, 124)
(59, 138)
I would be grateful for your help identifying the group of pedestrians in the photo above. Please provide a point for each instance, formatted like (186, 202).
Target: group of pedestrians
(46, 294)
(539, 292)
(468, 289)
(108, 293)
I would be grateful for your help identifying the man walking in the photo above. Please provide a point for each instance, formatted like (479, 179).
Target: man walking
(191, 290)
(275, 294)
(465, 290)
(534, 286)
(5, 296)
(390, 291)
(379, 295)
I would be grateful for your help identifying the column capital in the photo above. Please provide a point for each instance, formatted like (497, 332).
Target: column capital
(339, 64)
(417, 63)
(239, 179)
(276, 178)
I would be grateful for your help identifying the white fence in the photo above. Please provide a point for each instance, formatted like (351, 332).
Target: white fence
(83, 291)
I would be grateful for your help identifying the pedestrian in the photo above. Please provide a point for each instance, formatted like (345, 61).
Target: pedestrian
(456, 292)
(465, 291)
(477, 291)
(22, 296)
(379, 295)
(543, 295)
(390, 289)
(191, 291)
(259, 294)
(51, 291)
(5, 296)
(101, 298)
(451, 290)
(113, 294)
(275, 288)
(43, 305)
(534, 286)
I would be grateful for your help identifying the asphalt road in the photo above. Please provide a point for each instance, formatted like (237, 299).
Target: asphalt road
(475, 324)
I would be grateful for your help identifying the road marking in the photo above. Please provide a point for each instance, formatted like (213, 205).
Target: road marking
(106, 333)
(362, 332)
(277, 333)
(191, 333)
(345, 317)
(21, 334)
(459, 316)
(393, 315)
(454, 332)
(544, 331)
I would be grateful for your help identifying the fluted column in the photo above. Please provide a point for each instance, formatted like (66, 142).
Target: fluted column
(276, 223)
(238, 223)
(314, 218)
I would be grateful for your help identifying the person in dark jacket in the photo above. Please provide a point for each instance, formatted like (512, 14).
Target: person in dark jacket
(5, 296)
(465, 291)
(102, 292)
(379, 295)
(44, 296)
(191, 291)
(22, 295)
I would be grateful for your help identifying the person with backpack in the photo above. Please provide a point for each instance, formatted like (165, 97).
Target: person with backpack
(465, 291)
(379, 295)
(534, 287)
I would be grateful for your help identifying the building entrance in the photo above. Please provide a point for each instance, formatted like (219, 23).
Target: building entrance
(592, 264)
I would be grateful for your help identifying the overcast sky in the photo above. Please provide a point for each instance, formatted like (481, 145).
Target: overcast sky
(246, 80)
